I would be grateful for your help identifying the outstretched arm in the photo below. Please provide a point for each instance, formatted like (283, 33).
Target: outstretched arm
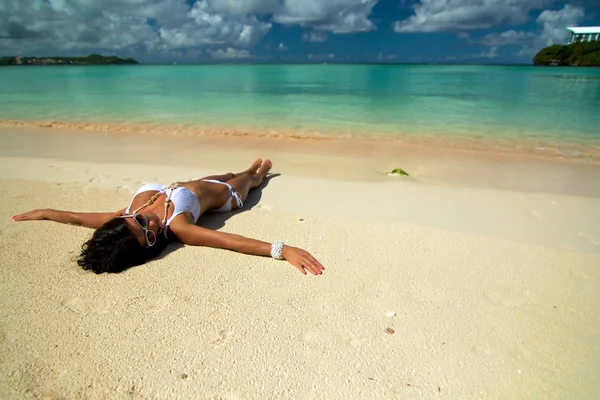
(197, 236)
(89, 220)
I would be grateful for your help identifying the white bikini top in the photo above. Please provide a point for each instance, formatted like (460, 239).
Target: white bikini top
(183, 199)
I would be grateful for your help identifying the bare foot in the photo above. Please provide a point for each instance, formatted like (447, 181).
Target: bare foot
(264, 169)
(252, 170)
(254, 167)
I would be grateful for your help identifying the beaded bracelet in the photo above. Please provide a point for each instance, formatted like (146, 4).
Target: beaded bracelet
(276, 249)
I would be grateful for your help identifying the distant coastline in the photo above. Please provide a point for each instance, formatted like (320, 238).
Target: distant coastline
(92, 59)
(582, 54)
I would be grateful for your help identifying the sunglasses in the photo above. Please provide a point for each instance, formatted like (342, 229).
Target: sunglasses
(142, 222)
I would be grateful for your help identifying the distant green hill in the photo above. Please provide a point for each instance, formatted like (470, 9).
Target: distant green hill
(585, 54)
(92, 59)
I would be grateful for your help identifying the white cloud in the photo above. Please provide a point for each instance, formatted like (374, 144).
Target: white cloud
(230, 54)
(491, 53)
(165, 26)
(241, 7)
(339, 16)
(449, 15)
(382, 56)
(507, 37)
(134, 25)
(321, 56)
(552, 30)
(314, 36)
(554, 23)
(205, 27)
(282, 46)
(526, 51)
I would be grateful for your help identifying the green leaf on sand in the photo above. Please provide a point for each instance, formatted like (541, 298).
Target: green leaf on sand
(397, 171)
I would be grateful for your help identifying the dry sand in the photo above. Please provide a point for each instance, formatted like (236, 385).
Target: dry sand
(476, 277)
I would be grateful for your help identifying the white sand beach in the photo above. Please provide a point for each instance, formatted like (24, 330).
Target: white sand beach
(476, 277)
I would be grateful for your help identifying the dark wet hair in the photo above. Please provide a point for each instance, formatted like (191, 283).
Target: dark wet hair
(114, 248)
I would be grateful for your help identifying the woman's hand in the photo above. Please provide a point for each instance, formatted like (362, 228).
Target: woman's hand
(302, 260)
(32, 215)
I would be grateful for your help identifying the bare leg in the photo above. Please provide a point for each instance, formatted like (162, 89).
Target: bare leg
(246, 182)
(226, 177)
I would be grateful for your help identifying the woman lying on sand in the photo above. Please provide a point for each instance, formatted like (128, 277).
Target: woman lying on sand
(158, 214)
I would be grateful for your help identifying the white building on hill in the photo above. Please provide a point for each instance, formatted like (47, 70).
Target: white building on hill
(584, 34)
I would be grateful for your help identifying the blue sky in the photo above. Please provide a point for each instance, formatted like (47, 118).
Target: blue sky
(480, 31)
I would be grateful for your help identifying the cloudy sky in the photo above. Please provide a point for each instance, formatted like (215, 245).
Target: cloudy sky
(495, 31)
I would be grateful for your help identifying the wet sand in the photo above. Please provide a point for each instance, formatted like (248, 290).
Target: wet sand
(516, 143)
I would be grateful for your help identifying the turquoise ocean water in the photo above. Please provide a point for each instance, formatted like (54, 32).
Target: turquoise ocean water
(505, 103)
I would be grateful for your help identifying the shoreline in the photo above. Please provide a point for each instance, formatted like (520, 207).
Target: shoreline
(346, 160)
(554, 151)
(327, 159)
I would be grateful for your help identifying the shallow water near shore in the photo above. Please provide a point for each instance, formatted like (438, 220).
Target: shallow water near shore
(532, 109)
